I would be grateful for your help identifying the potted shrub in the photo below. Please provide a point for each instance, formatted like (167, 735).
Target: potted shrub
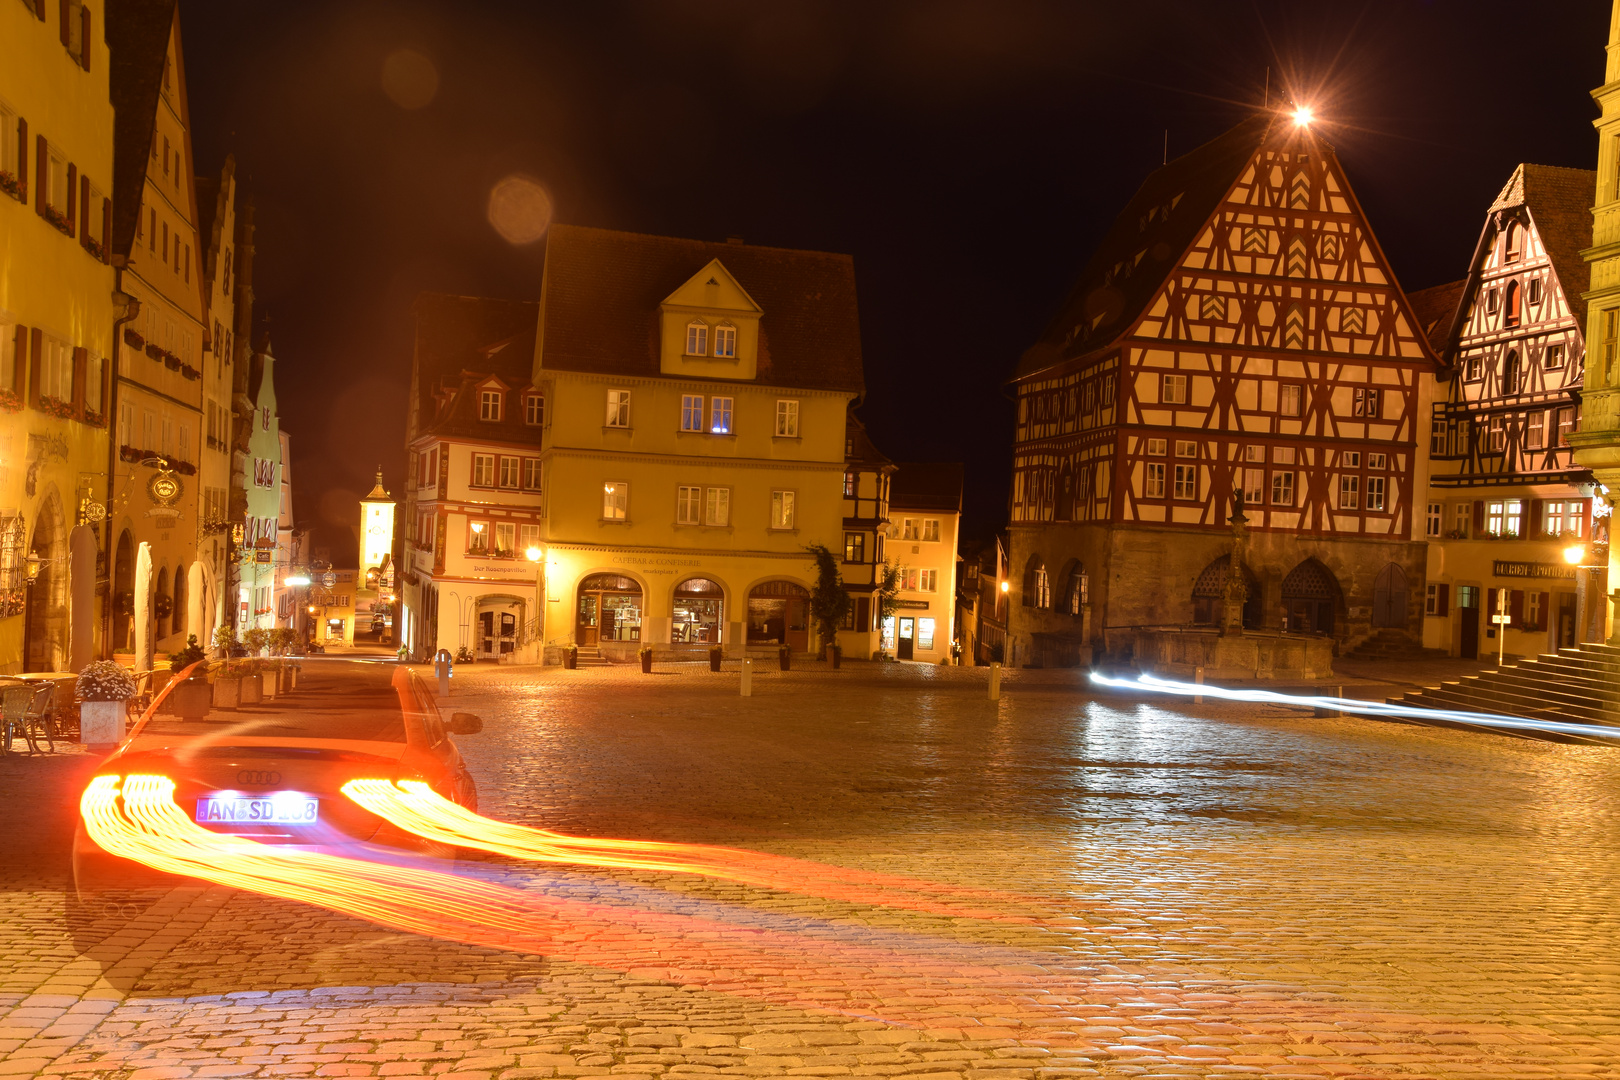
(835, 656)
(191, 697)
(225, 641)
(571, 657)
(256, 639)
(270, 673)
(715, 655)
(252, 685)
(784, 656)
(645, 652)
(103, 691)
(228, 687)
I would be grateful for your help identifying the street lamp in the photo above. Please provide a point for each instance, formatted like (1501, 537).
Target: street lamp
(1574, 554)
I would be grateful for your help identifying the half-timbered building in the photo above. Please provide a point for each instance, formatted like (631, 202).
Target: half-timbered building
(1237, 342)
(1506, 502)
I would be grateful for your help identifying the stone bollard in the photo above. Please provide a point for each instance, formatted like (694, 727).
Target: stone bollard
(995, 682)
(1198, 677)
(441, 667)
(746, 687)
(1324, 711)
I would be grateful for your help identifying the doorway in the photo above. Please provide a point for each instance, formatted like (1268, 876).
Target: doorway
(609, 609)
(1468, 621)
(1310, 597)
(779, 614)
(497, 629)
(905, 644)
(1566, 621)
(1389, 598)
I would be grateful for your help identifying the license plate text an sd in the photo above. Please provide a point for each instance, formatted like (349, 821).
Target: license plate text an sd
(272, 811)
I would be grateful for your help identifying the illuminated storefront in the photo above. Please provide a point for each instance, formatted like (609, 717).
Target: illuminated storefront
(699, 612)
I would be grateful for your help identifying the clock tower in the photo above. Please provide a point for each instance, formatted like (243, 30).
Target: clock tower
(374, 591)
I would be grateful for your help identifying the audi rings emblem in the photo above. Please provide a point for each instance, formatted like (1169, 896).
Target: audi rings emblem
(258, 777)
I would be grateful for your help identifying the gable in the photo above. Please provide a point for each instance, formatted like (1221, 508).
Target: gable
(712, 289)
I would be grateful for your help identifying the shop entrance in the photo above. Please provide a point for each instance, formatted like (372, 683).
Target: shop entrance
(609, 609)
(905, 645)
(779, 614)
(496, 632)
(699, 612)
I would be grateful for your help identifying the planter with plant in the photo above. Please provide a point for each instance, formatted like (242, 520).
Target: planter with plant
(645, 653)
(716, 654)
(191, 696)
(256, 640)
(571, 658)
(224, 641)
(829, 602)
(784, 657)
(103, 691)
(464, 655)
(835, 656)
(10, 401)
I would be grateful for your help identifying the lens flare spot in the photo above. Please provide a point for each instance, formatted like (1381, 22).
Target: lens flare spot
(409, 79)
(520, 209)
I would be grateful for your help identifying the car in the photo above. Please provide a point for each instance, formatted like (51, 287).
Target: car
(276, 777)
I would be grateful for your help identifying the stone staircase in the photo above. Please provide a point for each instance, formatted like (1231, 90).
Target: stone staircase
(1580, 685)
(592, 657)
(1392, 645)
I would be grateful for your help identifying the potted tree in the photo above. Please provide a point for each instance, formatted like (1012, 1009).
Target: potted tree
(646, 653)
(228, 686)
(191, 697)
(829, 602)
(225, 641)
(103, 690)
(715, 655)
(256, 639)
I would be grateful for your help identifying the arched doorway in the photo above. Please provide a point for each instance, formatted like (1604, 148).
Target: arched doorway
(609, 609)
(779, 614)
(1209, 595)
(699, 611)
(1389, 597)
(45, 603)
(1310, 597)
(123, 631)
(182, 616)
(496, 625)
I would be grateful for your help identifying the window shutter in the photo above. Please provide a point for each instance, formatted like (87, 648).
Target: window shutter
(81, 368)
(39, 10)
(1536, 526)
(1541, 624)
(84, 38)
(106, 231)
(1479, 516)
(66, 21)
(36, 352)
(71, 209)
(863, 615)
(1442, 600)
(22, 160)
(19, 362)
(41, 173)
(1516, 608)
(84, 208)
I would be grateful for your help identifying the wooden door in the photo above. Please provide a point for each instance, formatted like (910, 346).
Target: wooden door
(1468, 621)
(585, 628)
(1389, 598)
(904, 643)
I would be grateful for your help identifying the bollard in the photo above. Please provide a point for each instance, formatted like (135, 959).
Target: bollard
(441, 668)
(746, 688)
(995, 682)
(1198, 677)
(1323, 711)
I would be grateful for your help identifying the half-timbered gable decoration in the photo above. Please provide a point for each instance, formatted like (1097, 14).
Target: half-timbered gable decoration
(1237, 333)
(1504, 491)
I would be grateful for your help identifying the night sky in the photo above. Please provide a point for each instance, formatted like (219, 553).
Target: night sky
(967, 153)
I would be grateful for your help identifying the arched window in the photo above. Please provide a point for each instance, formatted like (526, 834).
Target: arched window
(1037, 585)
(1076, 591)
(697, 338)
(1511, 316)
(725, 340)
(1514, 248)
(1510, 373)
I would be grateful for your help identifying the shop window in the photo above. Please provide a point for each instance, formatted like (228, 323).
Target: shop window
(925, 633)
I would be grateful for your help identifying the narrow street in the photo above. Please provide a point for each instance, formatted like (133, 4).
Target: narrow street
(1213, 890)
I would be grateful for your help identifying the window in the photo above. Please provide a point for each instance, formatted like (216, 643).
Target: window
(483, 470)
(1532, 291)
(1186, 482)
(618, 408)
(909, 529)
(1368, 403)
(691, 412)
(1431, 521)
(930, 532)
(1473, 368)
(9, 144)
(534, 409)
(1254, 486)
(505, 538)
(687, 505)
(908, 581)
(854, 547)
(58, 188)
(1510, 373)
(92, 383)
(1497, 438)
(531, 474)
(1504, 518)
(725, 340)
(1535, 431)
(510, 470)
(1042, 591)
(1514, 248)
(1566, 424)
(489, 404)
(1351, 459)
(1174, 390)
(1153, 481)
(1186, 448)
(782, 509)
(1377, 461)
(56, 371)
(1375, 492)
(1158, 447)
(1611, 328)
(1553, 357)
(1514, 522)
(427, 471)
(787, 419)
(1349, 492)
(697, 338)
(1564, 518)
(528, 537)
(1289, 399)
(925, 633)
(849, 485)
(717, 506)
(477, 537)
(720, 416)
(1461, 519)
(928, 581)
(615, 501)
(1491, 301)
(1434, 600)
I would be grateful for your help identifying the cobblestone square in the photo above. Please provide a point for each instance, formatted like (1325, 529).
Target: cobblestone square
(1124, 889)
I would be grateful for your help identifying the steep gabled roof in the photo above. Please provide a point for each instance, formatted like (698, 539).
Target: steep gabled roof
(1155, 228)
(138, 41)
(457, 334)
(455, 410)
(1560, 204)
(927, 485)
(859, 449)
(603, 289)
(1434, 309)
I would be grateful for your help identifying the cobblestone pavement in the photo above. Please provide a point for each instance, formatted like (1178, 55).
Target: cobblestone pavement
(1184, 891)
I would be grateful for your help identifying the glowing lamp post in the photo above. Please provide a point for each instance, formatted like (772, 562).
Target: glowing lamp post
(535, 555)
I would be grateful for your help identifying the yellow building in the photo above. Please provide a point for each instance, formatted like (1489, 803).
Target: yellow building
(925, 512)
(56, 329)
(689, 402)
(158, 388)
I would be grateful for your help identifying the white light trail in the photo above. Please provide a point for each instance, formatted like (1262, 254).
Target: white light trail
(1355, 705)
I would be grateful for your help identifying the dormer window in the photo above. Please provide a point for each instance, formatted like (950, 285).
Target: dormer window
(1514, 248)
(489, 405)
(725, 340)
(697, 338)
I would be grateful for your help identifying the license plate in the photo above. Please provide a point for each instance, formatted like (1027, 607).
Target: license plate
(283, 809)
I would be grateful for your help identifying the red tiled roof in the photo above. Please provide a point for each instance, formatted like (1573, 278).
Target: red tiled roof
(456, 335)
(1434, 308)
(138, 47)
(1560, 204)
(603, 290)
